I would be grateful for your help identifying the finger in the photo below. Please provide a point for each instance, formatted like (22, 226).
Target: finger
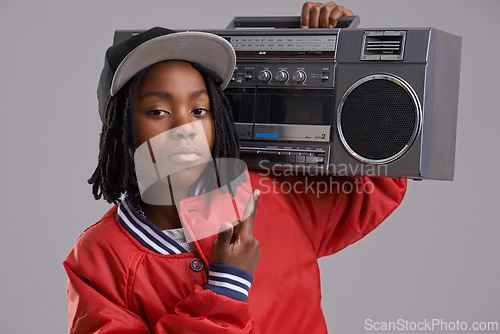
(336, 14)
(246, 226)
(236, 230)
(324, 15)
(314, 14)
(304, 17)
(224, 236)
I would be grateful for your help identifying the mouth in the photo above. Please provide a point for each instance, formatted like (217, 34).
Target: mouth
(185, 154)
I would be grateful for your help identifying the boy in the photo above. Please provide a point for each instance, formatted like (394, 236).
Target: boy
(136, 272)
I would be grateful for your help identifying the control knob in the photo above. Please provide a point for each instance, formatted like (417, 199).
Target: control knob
(299, 76)
(282, 76)
(264, 76)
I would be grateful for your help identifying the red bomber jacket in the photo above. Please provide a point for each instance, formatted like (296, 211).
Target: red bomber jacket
(127, 276)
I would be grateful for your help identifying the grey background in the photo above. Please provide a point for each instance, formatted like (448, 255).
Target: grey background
(435, 257)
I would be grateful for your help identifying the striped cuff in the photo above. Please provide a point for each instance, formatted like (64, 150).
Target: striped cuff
(229, 281)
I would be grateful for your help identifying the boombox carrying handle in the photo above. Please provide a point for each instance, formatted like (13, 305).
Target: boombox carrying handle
(283, 22)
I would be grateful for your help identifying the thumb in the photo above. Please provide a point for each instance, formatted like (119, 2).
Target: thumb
(224, 236)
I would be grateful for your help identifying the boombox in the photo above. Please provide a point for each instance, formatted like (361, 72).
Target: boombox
(344, 101)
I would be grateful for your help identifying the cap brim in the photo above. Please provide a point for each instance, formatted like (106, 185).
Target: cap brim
(206, 49)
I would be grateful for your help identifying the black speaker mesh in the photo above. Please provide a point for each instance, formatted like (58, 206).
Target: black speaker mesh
(378, 119)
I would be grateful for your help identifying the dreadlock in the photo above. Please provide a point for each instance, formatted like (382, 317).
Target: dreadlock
(115, 173)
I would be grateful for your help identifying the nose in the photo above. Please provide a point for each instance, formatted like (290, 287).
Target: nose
(183, 129)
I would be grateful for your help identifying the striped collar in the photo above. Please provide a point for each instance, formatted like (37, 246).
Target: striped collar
(146, 232)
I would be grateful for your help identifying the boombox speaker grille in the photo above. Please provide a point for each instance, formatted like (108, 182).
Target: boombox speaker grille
(378, 118)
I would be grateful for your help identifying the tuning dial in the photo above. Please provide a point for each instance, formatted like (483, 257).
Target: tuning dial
(299, 76)
(282, 76)
(264, 76)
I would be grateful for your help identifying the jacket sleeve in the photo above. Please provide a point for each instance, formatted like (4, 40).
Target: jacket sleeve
(97, 304)
(335, 212)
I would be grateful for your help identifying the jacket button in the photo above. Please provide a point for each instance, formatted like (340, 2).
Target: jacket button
(196, 265)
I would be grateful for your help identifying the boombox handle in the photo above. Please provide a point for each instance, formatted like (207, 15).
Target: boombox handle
(283, 22)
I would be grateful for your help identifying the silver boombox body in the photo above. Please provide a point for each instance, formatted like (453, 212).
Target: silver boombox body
(344, 101)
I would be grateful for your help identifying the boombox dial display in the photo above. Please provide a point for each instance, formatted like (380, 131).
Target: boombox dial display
(299, 76)
(313, 75)
(264, 76)
(282, 76)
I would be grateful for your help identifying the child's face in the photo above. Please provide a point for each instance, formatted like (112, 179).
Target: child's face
(171, 97)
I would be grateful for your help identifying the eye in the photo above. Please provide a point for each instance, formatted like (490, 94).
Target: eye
(199, 112)
(158, 112)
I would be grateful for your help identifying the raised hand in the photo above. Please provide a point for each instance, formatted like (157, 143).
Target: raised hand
(320, 15)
